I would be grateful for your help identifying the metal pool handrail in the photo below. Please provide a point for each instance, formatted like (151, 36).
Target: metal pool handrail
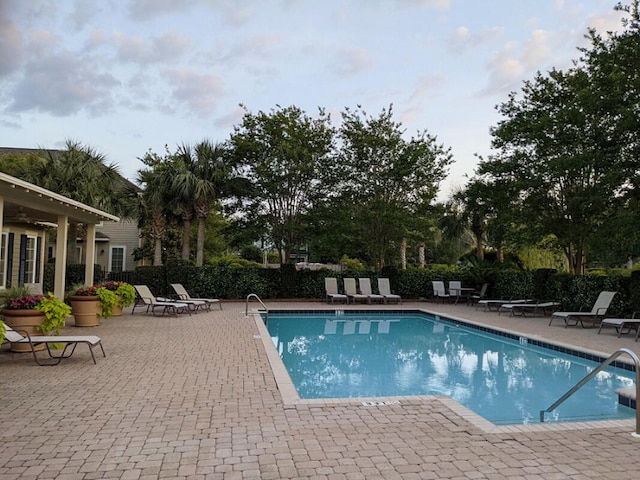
(601, 367)
(246, 308)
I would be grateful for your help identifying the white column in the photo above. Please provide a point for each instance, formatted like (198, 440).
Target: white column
(90, 254)
(61, 256)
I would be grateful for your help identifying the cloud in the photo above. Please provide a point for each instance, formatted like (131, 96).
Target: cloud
(440, 4)
(235, 13)
(352, 61)
(463, 40)
(11, 40)
(231, 118)
(426, 85)
(508, 67)
(61, 85)
(83, 11)
(167, 47)
(199, 93)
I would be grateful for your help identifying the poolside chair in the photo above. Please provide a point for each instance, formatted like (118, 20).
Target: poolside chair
(365, 289)
(478, 295)
(183, 296)
(153, 304)
(331, 291)
(439, 291)
(598, 311)
(491, 304)
(72, 342)
(352, 292)
(622, 325)
(384, 288)
(528, 308)
(457, 291)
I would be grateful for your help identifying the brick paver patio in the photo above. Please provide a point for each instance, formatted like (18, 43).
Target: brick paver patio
(196, 398)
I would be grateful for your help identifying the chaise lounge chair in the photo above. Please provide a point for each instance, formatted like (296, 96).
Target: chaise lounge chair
(365, 289)
(331, 291)
(622, 325)
(352, 292)
(183, 296)
(385, 290)
(153, 303)
(598, 311)
(72, 342)
(490, 304)
(528, 308)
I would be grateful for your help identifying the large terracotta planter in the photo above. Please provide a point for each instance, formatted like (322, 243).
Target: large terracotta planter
(117, 311)
(24, 320)
(86, 310)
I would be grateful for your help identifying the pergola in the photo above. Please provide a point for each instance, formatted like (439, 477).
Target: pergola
(24, 202)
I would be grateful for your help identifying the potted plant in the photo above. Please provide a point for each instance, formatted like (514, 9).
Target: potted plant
(86, 307)
(35, 314)
(108, 300)
(125, 292)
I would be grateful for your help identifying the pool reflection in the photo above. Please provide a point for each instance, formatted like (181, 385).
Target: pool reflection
(500, 379)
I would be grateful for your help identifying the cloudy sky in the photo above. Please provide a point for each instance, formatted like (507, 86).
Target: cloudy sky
(126, 76)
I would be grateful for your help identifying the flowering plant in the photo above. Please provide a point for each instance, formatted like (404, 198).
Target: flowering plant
(112, 285)
(87, 291)
(126, 293)
(23, 302)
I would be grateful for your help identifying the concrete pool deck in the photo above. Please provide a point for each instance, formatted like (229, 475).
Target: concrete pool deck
(195, 397)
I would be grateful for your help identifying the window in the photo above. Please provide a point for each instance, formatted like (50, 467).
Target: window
(117, 259)
(30, 265)
(3, 261)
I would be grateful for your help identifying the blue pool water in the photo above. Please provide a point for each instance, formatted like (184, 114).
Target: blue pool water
(506, 381)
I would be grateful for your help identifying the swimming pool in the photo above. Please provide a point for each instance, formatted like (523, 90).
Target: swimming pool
(504, 379)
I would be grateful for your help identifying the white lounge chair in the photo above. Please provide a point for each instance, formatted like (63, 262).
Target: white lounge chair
(331, 291)
(152, 303)
(490, 304)
(530, 308)
(183, 296)
(352, 292)
(385, 290)
(15, 336)
(598, 311)
(365, 289)
(622, 325)
(439, 291)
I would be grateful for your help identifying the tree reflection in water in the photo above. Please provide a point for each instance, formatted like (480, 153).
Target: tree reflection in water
(331, 356)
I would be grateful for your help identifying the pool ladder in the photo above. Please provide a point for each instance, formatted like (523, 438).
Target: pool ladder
(264, 307)
(601, 367)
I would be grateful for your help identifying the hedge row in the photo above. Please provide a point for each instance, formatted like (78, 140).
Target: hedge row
(228, 282)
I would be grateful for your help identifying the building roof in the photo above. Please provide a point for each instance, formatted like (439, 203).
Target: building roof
(25, 202)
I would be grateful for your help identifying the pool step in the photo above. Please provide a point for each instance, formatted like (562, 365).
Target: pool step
(627, 397)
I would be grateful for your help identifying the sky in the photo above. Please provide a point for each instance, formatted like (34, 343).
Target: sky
(128, 76)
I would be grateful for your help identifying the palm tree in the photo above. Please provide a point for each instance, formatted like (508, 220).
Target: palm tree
(152, 204)
(83, 174)
(202, 179)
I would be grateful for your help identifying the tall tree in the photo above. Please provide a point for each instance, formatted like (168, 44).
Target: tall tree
(201, 179)
(568, 145)
(285, 154)
(154, 203)
(82, 173)
(386, 180)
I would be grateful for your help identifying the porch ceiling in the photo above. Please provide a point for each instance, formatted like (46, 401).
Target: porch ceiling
(28, 203)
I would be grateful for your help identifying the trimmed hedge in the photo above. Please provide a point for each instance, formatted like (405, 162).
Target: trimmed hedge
(235, 283)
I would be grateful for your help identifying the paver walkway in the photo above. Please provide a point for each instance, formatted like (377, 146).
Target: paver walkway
(195, 398)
